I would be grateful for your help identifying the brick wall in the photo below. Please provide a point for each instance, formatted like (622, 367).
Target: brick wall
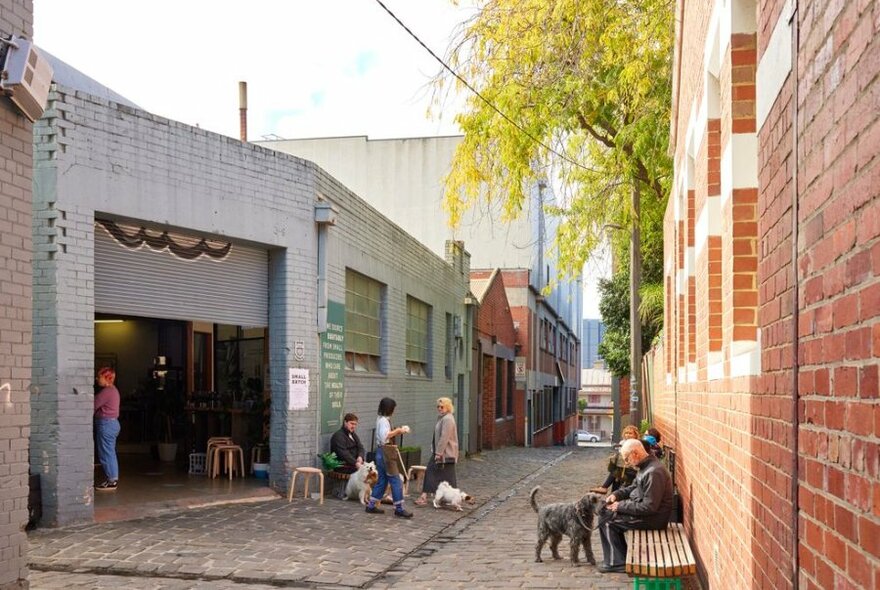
(737, 495)
(498, 340)
(97, 156)
(16, 151)
(839, 268)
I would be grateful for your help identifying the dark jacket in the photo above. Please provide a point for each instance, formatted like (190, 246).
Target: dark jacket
(347, 448)
(650, 495)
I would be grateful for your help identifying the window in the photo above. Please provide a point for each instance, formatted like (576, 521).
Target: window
(499, 388)
(363, 323)
(449, 339)
(418, 319)
(510, 380)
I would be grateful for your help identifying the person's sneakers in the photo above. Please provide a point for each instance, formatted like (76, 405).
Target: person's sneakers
(403, 513)
(374, 510)
(612, 569)
(107, 486)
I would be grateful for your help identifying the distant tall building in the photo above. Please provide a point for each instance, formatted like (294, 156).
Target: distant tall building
(594, 331)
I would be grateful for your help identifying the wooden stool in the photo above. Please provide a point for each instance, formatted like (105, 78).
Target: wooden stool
(213, 443)
(307, 472)
(227, 454)
(415, 472)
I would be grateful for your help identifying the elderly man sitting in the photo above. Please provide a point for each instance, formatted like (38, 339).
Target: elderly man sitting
(645, 504)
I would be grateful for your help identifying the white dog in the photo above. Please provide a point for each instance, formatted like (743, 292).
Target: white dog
(360, 483)
(446, 494)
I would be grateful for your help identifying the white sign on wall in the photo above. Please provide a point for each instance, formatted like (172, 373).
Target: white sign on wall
(298, 389)
(519, 369)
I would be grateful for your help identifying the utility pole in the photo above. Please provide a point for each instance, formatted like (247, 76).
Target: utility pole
(635, 323)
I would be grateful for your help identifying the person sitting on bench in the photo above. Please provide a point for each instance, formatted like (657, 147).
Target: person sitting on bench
(347, 446)
(645, 505)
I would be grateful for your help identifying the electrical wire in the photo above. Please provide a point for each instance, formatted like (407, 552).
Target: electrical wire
(477, 92)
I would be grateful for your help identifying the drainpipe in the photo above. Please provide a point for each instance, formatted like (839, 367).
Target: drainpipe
(242, 110)
(325, 216)
(795, 361)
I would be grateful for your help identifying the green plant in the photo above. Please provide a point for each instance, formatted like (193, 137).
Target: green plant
(644, 426)
(330, 461)
(410, 449)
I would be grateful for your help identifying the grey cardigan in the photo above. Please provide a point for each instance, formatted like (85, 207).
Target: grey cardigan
(446, 438)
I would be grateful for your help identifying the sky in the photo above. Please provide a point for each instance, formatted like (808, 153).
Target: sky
(314, 68)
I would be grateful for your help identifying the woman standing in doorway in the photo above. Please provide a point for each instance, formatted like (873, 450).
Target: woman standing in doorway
(107, 428)
(441, 467)
(385, 435)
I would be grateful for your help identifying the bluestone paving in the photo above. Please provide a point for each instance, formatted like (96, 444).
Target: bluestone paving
(304, 544)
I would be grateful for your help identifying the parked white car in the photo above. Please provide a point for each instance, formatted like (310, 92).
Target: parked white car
(584, 436)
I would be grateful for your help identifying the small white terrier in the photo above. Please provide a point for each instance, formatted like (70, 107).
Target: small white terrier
(360, 483)
(446, 494)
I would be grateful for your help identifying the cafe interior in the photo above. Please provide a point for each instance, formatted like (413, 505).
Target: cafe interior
(184, 384)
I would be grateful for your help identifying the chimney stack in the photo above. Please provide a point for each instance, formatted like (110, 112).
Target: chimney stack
(242, 110)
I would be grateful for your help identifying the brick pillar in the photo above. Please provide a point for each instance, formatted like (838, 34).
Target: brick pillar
(61, 444)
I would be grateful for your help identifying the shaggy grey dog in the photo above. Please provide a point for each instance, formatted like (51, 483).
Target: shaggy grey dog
(574, 519)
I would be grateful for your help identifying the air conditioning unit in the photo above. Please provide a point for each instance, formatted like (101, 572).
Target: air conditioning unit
(26, 77)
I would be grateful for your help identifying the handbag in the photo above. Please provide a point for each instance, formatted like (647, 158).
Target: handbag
(391, 452)
(393, 461)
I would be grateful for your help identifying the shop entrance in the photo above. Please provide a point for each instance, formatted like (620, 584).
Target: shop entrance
(181, 383)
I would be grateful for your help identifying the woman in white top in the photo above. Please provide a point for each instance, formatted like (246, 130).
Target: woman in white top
(385, 434)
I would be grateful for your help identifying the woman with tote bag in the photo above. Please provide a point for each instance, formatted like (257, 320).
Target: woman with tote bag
(388, 455)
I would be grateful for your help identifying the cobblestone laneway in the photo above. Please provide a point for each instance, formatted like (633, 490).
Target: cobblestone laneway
(271, 544)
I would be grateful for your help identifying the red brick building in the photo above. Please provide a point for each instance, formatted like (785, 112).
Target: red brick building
(496, 341)
(540, 408)
(772, 247)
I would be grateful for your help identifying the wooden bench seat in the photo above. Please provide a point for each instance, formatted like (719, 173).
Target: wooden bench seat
(659, 554)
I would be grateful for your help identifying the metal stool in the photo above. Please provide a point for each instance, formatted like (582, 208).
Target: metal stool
(307, 472)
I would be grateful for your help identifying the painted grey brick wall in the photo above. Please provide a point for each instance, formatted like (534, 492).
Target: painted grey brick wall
(16, 155)
(367, 242)
(98, 158)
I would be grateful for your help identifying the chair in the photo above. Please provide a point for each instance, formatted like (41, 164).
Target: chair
(416, 472)
(307, 472)
(214, 442)
(226, 454)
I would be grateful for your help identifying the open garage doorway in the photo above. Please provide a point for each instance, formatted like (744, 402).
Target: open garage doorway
(181, 383)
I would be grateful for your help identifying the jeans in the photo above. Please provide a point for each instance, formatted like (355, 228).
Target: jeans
(106, 431)
(383, 481)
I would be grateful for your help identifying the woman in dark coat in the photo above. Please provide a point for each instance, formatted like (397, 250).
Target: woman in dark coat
(441, 467)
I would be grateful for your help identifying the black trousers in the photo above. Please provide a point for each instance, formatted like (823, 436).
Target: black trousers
(612, 527)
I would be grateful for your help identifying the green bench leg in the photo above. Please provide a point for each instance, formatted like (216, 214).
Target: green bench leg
(656, 583)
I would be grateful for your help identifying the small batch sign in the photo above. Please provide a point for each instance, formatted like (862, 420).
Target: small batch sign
(298, 389)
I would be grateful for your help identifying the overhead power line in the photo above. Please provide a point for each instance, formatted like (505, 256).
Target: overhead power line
(477, 92)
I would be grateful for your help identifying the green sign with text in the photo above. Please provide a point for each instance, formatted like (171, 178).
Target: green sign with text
(333, 368)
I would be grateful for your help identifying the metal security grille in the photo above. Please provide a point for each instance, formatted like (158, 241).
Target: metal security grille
(143, 281)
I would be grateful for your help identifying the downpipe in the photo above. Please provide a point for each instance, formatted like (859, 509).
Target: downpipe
(795, 312)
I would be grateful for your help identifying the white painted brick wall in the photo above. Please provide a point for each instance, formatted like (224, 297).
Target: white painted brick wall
(96, 156)
(15, 316)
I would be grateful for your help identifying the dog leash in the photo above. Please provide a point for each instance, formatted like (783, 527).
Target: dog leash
(577, 513)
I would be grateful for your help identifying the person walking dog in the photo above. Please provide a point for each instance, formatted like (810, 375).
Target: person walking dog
(384, 435)
(441, 466)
